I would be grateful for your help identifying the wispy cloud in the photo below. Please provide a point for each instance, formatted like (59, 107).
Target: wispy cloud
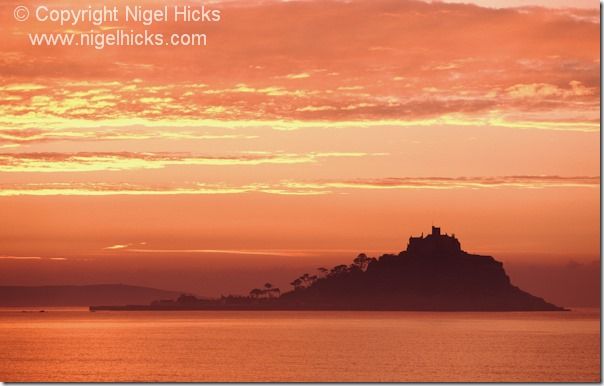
(292, 253)
(289, 187)
(98, 161)
(461, 182)
(123, 246)
(16, 137)
(31, 258)
(302, 75)
(20, 258)
(250, 252)
(117, 246)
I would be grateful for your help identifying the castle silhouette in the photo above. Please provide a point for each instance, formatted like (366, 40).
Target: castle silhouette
(434, 244)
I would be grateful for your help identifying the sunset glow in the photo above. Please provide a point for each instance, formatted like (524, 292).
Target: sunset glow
(335, 128)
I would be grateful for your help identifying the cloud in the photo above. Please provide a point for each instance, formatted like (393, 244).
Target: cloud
(537, 91)
(20, 258)
(51, 112)
(464, 182)
(31, 258)
(108, 161)
(117, 246)
(373, 62)
(290, 187)
(123, 246)
(284, 252)
(21, 87)
(112, 189)
(250, 252)
(36, 136)
(302, 75)
(315, 108)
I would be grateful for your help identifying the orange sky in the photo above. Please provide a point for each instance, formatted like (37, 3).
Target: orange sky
(304, 131)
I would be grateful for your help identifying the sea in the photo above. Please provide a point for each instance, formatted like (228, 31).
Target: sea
(75, 345)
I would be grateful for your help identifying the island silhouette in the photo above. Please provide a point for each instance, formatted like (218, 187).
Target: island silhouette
(432, 274)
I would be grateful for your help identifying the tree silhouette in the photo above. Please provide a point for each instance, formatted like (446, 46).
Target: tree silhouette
(304, 281)
(256, 293)
(362, 261)
(267, 292)
(338, 270)
(297, 284)
(270, 292)
(324, 271)
(308, 280)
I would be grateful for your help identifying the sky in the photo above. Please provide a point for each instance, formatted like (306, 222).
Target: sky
(304, 133)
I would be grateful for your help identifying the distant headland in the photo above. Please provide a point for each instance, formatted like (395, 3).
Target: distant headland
(432, 274)
(79, 295)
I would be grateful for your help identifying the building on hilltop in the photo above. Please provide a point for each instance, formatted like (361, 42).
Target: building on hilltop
(434, 243)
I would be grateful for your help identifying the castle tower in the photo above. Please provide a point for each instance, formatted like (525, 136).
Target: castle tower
(435, 231)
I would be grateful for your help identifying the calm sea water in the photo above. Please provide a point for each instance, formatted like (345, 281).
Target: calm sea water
(76, 345)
